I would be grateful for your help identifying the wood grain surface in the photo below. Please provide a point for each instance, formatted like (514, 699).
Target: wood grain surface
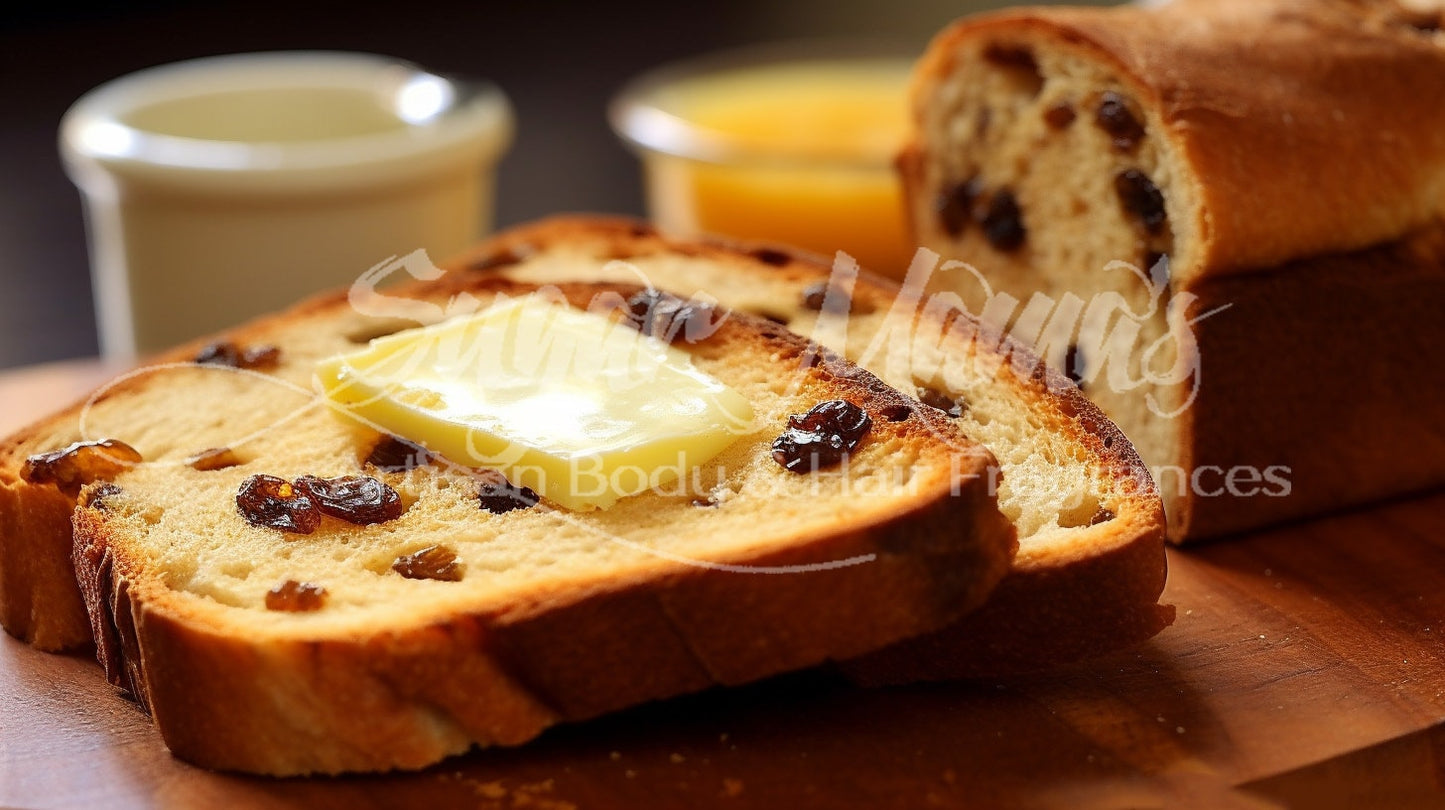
(1306, 669)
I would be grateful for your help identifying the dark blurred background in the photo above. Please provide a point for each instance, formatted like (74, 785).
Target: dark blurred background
(559, 63)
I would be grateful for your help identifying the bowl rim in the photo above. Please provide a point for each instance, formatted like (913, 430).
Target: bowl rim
(637, 118)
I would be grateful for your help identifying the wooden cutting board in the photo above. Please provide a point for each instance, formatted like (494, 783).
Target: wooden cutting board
(1306, 668)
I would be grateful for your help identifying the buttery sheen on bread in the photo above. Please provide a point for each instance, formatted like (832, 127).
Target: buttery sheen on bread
(1274, 173)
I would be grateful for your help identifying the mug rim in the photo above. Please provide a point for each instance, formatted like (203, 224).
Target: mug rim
(473, 118)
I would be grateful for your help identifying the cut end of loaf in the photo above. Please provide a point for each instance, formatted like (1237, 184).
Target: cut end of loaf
(1033, 150)
(1040, 162)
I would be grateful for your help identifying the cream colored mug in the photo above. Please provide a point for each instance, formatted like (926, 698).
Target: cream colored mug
(222, 188)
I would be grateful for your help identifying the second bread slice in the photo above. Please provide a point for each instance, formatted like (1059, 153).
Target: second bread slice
(1090, 566)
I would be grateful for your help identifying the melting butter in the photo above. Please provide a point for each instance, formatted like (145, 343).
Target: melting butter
(581, 408)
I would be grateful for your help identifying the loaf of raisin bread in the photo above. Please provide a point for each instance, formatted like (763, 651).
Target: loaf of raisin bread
(1224, 218)
(428, 608)
(1090, 566)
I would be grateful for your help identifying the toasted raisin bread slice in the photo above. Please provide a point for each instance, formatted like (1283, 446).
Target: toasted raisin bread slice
(360, 648)
(1091, 565)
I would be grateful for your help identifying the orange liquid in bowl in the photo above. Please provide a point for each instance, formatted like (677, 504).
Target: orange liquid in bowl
(800, 153)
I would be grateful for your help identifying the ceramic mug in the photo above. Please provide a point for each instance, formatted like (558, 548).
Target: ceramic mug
(221, 188)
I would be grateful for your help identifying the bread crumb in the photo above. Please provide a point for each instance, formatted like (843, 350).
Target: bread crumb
(491, 790)
(732, 787)
(677, 759)
(615, 755)
(631, 774)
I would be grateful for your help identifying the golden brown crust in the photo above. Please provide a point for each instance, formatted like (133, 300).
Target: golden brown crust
(1036, 618)
(404, 697)
(1321, 376)
(1093, 591)
(1302, 126)
(38, 600)
(403, 701)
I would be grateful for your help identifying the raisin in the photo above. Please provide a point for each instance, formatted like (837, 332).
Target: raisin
(1003, 222)
(1141, 199)
(1074, 365)
(1101, 516)
(266, 356)
(1115, 118)
(220, 353)
(273, 503)
(822, 436)
(776, 258)
(822, 296)
(296, 597)
(226, 353)
(666, 316)
(955, 206)
(499, 496)
(96, 496)
(1059, 116)
(357, 499)
(432, 562)
(938, 400)
(815, 356)
(815, 295)
(395, 454)
(216, 458)
(72, 467)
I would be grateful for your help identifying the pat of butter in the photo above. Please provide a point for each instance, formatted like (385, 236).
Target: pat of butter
(581, 408)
